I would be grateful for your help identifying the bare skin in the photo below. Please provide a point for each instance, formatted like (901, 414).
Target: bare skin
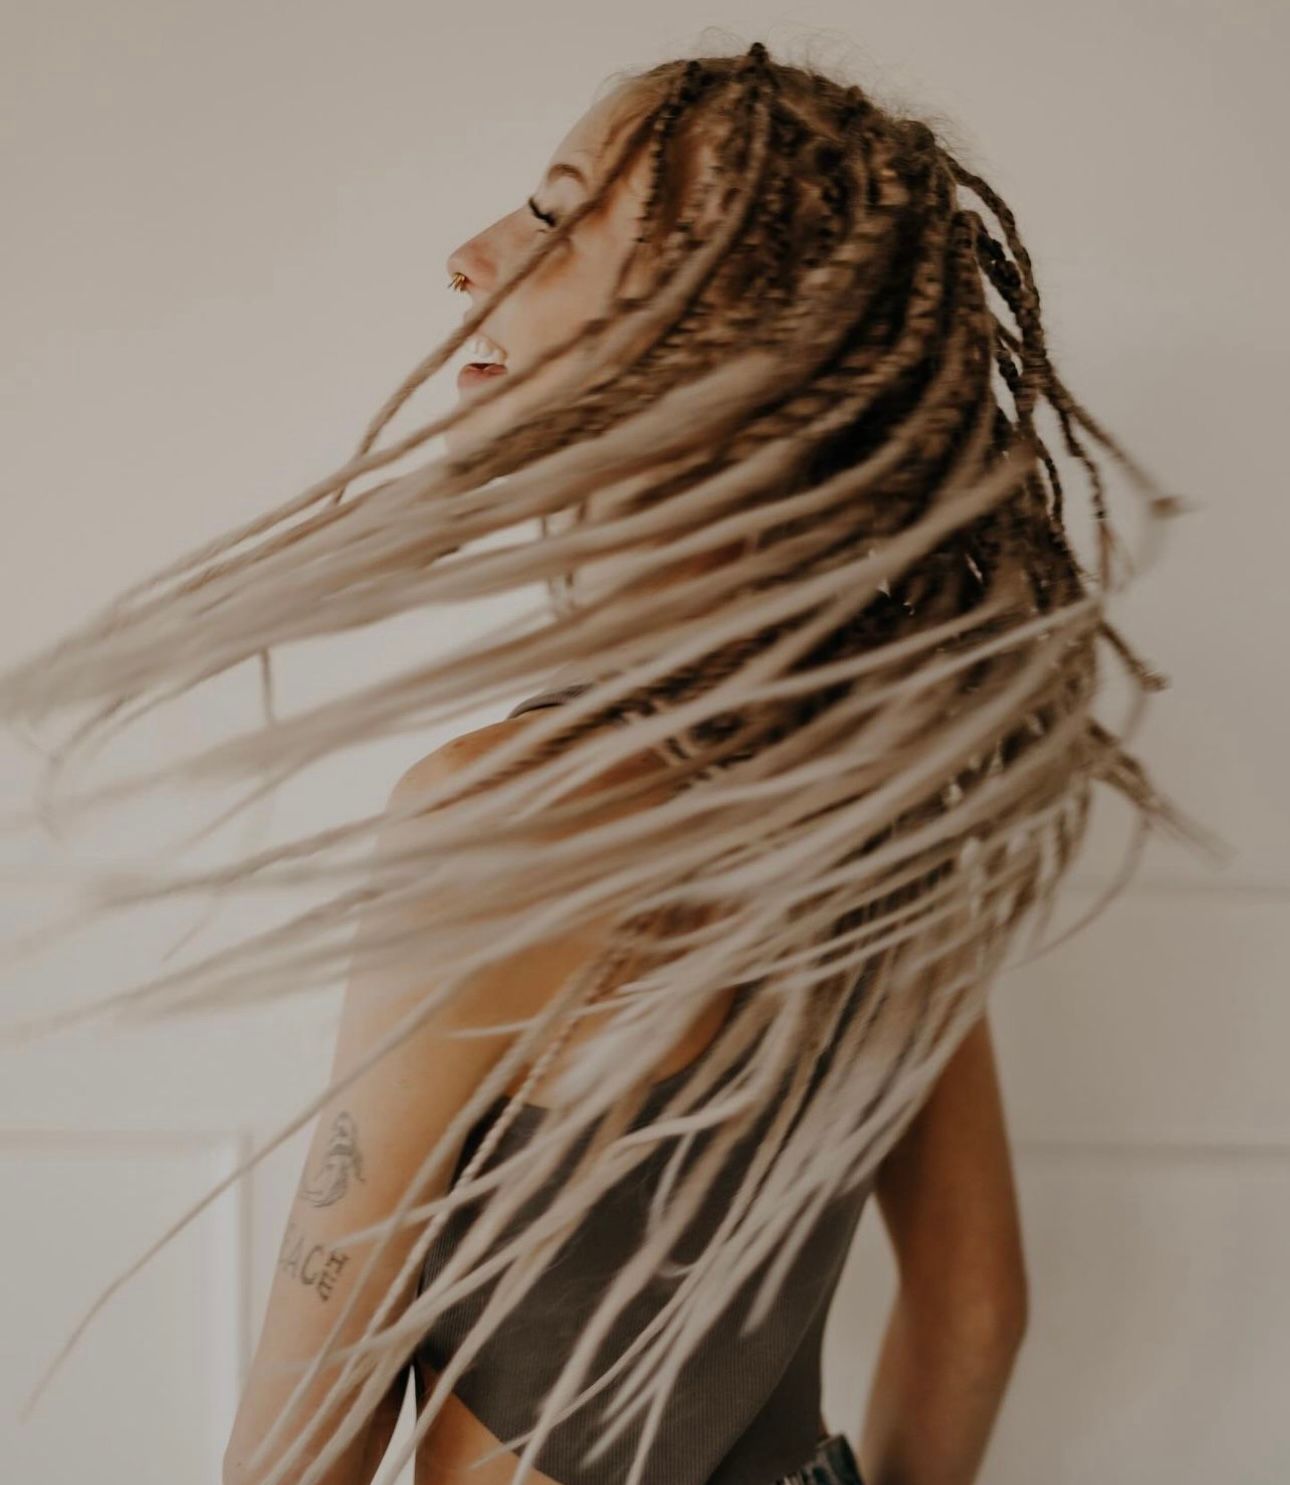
(949, 1206)
(576, 282)
(945, 1191)
(370, 1140)
(574, 286)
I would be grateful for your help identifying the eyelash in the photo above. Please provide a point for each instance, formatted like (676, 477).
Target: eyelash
(542, 216)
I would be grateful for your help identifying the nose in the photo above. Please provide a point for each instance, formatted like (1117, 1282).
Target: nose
(474, 264)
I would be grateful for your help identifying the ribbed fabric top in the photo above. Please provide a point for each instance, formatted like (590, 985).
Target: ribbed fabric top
(745, 1409)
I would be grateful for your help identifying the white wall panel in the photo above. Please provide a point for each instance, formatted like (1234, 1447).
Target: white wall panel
(1167, 1019)
(147, 1394)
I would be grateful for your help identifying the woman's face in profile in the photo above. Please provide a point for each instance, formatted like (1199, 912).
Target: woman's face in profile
(576, 282)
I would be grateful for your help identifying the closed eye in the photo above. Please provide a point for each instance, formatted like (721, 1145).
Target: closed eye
(542, 216)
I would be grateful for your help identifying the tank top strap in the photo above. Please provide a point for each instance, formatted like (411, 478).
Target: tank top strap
(670, 750)
(552, 696)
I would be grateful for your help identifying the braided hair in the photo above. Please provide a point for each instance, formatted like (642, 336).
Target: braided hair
(881, 709)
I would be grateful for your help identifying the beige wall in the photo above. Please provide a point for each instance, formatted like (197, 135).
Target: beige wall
(226, 227)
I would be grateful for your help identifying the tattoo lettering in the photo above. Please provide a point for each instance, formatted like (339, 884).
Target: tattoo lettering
(313, 1264)
(341, 1159)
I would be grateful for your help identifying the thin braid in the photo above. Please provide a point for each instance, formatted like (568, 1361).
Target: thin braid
(1016, 282)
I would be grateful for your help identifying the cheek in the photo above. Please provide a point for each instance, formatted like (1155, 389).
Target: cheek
(575, 285)
(571, 289)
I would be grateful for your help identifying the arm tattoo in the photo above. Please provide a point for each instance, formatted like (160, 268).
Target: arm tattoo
(312, 1264)
(341, 1159)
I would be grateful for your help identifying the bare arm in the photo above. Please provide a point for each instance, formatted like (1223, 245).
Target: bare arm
(368, 1143)
(948, 1201)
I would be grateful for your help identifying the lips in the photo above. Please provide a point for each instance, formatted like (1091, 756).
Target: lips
(476, 373)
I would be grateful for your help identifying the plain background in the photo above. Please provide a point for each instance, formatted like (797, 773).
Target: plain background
(225, 234)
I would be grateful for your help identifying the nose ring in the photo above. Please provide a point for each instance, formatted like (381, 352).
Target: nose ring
(457, 281)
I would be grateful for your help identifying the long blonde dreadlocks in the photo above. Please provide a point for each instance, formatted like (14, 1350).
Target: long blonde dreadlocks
(882, 707)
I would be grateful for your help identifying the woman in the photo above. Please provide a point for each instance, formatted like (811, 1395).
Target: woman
(654, 979)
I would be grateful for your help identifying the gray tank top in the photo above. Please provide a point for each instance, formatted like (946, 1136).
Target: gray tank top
(745, 1410)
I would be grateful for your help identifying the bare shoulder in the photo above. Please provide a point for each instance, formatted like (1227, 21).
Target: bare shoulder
(547, 964)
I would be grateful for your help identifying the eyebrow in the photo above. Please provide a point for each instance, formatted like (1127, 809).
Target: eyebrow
(560, 169)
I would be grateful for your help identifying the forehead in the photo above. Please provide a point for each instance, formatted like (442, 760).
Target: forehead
(586, 142)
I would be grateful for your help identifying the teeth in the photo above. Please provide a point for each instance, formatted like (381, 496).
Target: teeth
(483, 349)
